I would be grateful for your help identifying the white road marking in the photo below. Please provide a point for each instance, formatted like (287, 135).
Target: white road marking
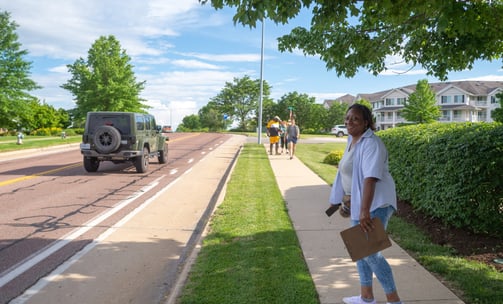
(37, 257)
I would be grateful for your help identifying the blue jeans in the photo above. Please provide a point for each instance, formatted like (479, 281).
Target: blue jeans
(376, 263)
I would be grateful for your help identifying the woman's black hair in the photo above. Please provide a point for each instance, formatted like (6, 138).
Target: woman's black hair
(366, 113)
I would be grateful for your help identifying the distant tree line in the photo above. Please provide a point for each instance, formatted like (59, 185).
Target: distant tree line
(237, 105)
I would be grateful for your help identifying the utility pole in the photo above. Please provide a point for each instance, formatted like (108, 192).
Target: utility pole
(259, 123)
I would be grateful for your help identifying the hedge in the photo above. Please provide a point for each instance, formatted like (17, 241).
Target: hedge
(450, 171)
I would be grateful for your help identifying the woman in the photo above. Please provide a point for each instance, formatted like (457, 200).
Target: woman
(282, 137)
(363, 176)
(292, 136)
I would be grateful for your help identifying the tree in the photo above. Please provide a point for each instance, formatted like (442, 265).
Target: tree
(366, 103)
(305, 116)
(63, 118)
(211, 117)
(191, 123)
(421, 107)
(14, 77)
(239, 100)
(336, 115)
(106, 81)
(440, 36)
(497, 114)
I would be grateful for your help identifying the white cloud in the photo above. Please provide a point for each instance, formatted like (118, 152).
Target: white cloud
(485, 78)
(195, 64)
(226, 57)
(410, 72)
(321, 97)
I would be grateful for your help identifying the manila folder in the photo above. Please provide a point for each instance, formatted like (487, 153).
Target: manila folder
(361, 244)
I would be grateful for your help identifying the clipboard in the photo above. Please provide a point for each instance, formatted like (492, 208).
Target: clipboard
(360, 244)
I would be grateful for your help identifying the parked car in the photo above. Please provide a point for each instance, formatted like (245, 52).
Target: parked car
(167, 129)
(120, 137)
(339, 130)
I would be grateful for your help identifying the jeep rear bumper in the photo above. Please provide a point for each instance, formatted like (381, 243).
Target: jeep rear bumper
(121, 155)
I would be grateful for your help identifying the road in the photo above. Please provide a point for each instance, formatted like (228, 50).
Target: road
(55, 213)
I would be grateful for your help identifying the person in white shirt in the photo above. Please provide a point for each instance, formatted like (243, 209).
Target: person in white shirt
(364, 178)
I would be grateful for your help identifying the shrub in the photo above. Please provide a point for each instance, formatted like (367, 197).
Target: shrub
(334, 157)
(74, 131)
(47, 132)
(450, 171)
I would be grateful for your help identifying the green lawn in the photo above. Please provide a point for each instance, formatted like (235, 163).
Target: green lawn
(9, 143)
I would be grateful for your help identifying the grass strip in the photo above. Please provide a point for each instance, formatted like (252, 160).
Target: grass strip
(251, 254)
(8, 143)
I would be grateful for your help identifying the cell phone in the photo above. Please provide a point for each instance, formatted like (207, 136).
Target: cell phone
(331, 210)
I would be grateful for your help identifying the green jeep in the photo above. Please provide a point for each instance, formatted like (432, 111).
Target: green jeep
(122, 136)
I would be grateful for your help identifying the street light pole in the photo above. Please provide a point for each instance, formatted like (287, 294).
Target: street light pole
(259, 135)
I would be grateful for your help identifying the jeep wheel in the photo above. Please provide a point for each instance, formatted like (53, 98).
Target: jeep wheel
(340, 134)
(91, 164)
(141, 162)
(163, 155)
(107, 139)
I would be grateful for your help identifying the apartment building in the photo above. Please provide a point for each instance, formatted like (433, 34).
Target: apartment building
(459, 101)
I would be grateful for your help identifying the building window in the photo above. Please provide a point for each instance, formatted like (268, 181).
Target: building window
(459, 98)
(445, 116)
(390, 101)
(457, 114)
(445, 99)
(481, 100)
(482, 116)
(494, 100)
(400, 101)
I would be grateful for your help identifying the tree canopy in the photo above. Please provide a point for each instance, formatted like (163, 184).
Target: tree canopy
(106, 81)
(14, 77)
(440, 36)
(239, 100)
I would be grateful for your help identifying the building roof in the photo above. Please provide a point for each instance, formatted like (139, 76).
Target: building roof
(347, 99)
(471, 87)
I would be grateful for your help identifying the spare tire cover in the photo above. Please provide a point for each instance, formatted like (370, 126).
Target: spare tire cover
(107, 139)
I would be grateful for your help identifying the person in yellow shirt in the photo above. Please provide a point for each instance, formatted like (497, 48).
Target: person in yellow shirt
(273, 133)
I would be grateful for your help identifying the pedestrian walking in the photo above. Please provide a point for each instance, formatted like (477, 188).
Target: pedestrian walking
(282, 137)
(364, 178)
(273, 133)
(293, 134)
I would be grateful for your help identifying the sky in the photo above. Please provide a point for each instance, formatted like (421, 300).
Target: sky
(186, 52)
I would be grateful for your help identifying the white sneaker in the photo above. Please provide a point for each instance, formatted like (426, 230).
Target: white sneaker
(356, 300)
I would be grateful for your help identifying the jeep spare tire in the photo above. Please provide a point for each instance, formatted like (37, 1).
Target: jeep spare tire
(107, 139)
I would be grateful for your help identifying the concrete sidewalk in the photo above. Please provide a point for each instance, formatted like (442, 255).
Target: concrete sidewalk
(333, 272)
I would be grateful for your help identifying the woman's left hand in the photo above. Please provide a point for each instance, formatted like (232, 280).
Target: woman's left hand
(365, 221)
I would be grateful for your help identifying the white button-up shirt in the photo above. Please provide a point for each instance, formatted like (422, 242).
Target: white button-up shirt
(370, 160)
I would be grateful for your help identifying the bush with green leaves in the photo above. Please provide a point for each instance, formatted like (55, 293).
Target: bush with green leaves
(53, 131)
(451, 171)
(333, 158)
